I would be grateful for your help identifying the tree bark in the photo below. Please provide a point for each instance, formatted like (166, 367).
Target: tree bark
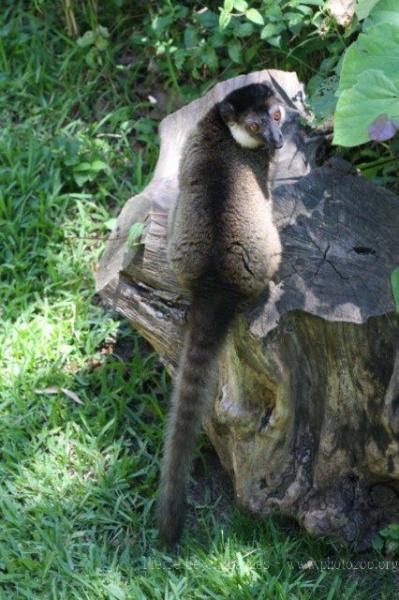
(306, 419)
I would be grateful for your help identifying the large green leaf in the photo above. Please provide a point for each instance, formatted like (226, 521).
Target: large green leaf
(364, 7)
(369, 84)
(386, 11)
(376, 49)
(374, 94)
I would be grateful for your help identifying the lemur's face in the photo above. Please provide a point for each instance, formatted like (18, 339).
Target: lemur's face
(263, 127)
(257, 124)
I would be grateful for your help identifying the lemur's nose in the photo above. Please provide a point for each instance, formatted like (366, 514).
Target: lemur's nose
(279, 141)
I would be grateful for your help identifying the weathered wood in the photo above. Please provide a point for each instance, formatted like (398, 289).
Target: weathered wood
(306, 419)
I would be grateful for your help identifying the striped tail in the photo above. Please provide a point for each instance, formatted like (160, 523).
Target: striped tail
(208, 324)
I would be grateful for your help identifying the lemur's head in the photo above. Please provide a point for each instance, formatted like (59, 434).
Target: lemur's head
(254, 116)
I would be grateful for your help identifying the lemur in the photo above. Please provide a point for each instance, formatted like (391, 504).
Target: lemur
(224, 248)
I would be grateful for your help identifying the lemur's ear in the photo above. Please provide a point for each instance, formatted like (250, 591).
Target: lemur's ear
(227, 111)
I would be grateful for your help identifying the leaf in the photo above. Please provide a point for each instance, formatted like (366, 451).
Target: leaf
(395, 287)
(115, 592)
(377, 543)
(81, 179)
(99, 165)
(228, 5)
(208, 19)
(91, 57)
(293, 18)
(323, 104)
(160, 23)
(54, 389)
(383, 128)
(306, 10)
(254, 15)
(270, 30)
(102, 31)
(364, 7)
(83, 166)
(224, 19)
(376, 49)
(210, 58)
(234, 51)
(135, 233)
(369, 84)
(359, 106)
(85, 171)
(275, 41)
(86, 40)
(391, 547)
(386, 11)
(389, 532)
(392, 531)
(244, 29)
(71, 395)
(101, 43)
(190, 37)
(110, 224)
(240, 5)
(274, 13)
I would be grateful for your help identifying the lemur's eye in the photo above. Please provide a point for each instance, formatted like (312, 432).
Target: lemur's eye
(253, 127)
(277, 115)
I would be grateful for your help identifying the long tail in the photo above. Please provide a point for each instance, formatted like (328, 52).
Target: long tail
(209, 319)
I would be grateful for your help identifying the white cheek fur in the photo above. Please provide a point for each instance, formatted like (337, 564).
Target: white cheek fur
(242, 137)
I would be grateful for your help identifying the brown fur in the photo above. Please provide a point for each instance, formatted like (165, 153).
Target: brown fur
(224, 248)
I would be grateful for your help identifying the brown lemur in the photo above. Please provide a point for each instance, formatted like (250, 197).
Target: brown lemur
(224, 249)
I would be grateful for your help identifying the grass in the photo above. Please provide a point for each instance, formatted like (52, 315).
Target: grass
(79, 468)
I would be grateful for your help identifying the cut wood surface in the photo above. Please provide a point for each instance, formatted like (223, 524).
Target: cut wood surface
(306, 419)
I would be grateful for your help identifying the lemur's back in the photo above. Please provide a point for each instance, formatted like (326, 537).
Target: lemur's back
(223, 220)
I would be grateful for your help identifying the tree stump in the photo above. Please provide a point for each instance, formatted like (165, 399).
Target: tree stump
(306, 419)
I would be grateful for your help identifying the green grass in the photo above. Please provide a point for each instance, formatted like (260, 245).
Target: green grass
(78, 475)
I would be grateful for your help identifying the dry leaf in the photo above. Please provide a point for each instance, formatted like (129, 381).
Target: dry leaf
(72, 395)
(56, 390)
(49, 390)
(342, 10)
